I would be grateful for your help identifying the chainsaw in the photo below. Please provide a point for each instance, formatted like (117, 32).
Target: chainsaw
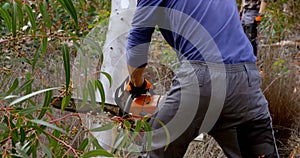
(144, 105)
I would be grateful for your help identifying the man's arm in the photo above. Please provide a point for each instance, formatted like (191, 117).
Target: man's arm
(242, 6)
(136, 75)
(262, 8)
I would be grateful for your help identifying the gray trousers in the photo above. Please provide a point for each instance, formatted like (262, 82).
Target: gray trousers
(223, 100)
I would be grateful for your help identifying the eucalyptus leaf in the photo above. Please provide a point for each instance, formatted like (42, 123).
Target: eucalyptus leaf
(103, 128)
(13, 87)
(31, 95)
(5, 15)
(107, 75)
(41, 122)
(91, 90)
(66, 58)
(98, 152)
(31, 17)
(102, 93)
(46, 150)
(29, 110)
(4, 127)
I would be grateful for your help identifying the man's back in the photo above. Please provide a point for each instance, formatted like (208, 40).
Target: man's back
(211, 27)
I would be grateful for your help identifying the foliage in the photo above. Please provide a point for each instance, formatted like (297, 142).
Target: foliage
(32, 31)
(281, 21)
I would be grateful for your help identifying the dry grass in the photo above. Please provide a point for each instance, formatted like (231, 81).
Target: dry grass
(281, 86)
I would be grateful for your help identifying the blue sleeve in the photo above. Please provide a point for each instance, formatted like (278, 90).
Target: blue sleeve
(143, 24)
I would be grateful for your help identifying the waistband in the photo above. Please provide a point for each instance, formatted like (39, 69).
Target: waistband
(221, 67)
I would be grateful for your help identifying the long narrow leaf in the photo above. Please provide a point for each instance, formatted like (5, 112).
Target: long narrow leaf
(166, 132)
(5, 15)
(148, 133)
(46, 150)
(14, 19)
(69, 7)
(65, 102)
(31, 17)
(45, 15)
(13, 87)
(4, 127)
(83, 144)
(20, 13)
(66, 58)
(44, 46)
(91, 90)
(103, 128)
(29, 110)
(102, 93)
(136, 131)
(35, 58)
(95, 143)
(44, 123)
(98, 152)
(24, 86)
(22, 153)
(31, 95)
(47, 101)
(107, 75)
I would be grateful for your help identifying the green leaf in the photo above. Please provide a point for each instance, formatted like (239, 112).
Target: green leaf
(47, 101)
(91, 90)
(166, 132)
(45, 15)
(20, 13)
(66, 58)
(22, 153)
(5, 15)
(103, 128)
(14, 19)
(102, 93)
(46, 150)
(69, 7)
(29, 110)
(31, 17)
(44, 46)
(23, 135)
(107, 75)
(4, 127)
(31, 95)
(24, 86)
(148, 132)
(35, 58)
(83, 144)
(95, 142)
(98, 152)
(136, 130)
(13, 87)
(65, 102)
(41, 122)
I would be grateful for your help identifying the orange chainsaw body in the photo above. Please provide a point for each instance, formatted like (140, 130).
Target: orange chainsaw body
(145, 104)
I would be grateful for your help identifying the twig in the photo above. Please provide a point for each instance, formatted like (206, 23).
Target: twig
(278, 77)
(67, 145)
(66, 116)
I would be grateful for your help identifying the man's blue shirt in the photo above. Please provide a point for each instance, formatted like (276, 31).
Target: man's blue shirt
(204, 30)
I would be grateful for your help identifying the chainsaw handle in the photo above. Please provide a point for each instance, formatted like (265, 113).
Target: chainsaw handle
(128, 103)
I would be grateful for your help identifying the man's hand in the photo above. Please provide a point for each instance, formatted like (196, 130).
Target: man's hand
(138, 91)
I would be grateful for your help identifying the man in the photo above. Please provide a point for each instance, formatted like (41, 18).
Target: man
(216, 89)
(251, 14)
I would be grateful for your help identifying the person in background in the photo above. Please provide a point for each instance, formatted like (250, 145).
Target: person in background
(251, 13)
(216, 88)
